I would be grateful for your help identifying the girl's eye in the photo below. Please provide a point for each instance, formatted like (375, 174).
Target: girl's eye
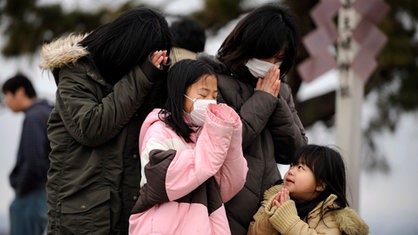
(300, 167)
(204, 95)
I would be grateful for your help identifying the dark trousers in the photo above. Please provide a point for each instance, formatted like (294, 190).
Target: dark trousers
(28, 214)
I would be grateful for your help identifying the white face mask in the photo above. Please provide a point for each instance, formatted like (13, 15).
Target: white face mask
(197, 115)
(259, 68)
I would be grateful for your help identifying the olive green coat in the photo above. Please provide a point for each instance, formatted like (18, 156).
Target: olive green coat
(94, 175)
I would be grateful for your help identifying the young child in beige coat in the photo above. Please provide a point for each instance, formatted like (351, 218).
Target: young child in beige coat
(311, 199)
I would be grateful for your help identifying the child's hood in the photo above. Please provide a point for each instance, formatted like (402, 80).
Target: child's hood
(350, 222)
(347, 219)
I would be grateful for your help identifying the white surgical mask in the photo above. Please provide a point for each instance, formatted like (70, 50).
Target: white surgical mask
(197, 115)
(259, 68)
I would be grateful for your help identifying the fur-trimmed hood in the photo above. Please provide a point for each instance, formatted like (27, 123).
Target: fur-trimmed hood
(350, 222)
(62, 51)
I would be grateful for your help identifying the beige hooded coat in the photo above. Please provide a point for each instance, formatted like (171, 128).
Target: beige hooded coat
(285, 220)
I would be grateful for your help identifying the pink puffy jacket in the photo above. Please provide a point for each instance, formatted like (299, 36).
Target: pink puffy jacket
(184, 185)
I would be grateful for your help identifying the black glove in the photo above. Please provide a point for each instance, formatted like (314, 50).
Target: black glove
(153, 73)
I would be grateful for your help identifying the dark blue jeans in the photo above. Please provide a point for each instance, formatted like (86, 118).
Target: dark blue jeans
(28, 214)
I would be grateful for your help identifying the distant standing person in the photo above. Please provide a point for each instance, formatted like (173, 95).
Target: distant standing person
(107, 83)
(251, 65)
(189, 38)
(28, 211)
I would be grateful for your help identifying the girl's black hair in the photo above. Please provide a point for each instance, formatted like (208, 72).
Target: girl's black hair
(116, 47)
(180, 77)
(328, 168)
(261, 34)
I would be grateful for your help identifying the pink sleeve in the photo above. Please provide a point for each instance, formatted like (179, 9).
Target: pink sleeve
(231, 177)
(218, 153)
(191, 167)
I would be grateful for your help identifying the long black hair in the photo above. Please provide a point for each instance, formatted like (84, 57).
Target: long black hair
(116, 47)
(328, 168)
(180, 77)
(261, 34)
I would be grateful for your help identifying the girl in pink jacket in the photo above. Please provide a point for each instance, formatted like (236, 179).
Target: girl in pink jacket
(191, 157)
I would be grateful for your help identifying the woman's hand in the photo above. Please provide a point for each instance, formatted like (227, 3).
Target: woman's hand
(281, 197)
(158, 58)
(271, 82)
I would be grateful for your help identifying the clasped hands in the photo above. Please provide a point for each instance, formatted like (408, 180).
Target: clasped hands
(281, 197)
(271, 82)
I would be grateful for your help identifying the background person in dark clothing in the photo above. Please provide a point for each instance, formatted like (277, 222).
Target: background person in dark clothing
(28, 211)
(189, 38)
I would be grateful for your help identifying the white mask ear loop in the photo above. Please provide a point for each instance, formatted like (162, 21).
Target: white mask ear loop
(193, 100)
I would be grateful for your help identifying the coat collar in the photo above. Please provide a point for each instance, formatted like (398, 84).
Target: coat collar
(62, 52)
(67, 51)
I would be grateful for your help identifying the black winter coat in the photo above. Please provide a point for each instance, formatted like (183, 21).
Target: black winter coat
(272, 131)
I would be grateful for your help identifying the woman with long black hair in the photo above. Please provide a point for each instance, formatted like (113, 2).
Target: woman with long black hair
(107, 82)
(251, 65)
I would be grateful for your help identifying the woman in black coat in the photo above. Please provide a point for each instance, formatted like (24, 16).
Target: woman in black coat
(251, 65)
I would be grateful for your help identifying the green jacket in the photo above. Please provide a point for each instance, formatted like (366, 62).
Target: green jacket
(93, 180)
